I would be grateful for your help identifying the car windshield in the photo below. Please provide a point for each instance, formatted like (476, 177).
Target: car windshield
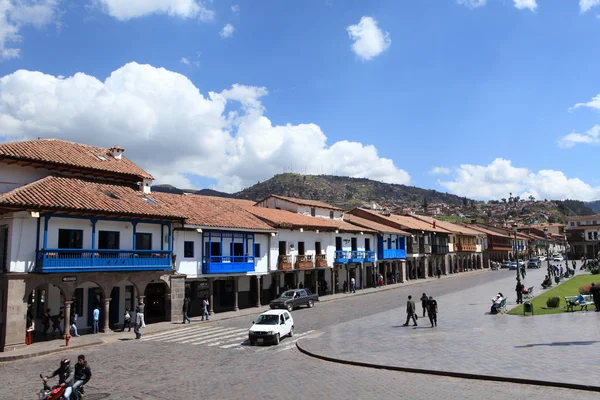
(267, 319)
(288, 295)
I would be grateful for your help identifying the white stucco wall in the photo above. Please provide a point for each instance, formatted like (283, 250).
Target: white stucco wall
(13, 176)
(192, 267)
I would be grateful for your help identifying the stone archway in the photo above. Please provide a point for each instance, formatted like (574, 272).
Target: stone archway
(42, 299)
(157, 299)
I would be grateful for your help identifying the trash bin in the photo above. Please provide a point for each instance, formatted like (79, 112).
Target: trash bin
(527, 308)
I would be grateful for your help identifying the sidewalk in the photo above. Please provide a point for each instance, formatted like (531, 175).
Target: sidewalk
(553, 350)
(58, 345)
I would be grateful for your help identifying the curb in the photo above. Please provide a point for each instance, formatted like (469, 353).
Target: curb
(47, 352)
(461, 375)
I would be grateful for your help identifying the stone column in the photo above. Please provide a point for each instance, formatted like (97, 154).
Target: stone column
(12, 332)
(258, 278)
(333, 280)
(106, 328)
(403, 271)
(67, 319)
(176, 299)
(425, 267)
(211, 284)
(235, 293)
(362, 276)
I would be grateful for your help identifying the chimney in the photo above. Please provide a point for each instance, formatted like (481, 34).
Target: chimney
(433, 224)
(116, 152)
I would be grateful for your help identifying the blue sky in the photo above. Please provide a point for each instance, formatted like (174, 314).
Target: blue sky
(474, 97)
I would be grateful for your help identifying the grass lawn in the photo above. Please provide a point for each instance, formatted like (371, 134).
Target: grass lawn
(569, 288)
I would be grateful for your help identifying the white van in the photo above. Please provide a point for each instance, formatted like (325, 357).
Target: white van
(270, 327)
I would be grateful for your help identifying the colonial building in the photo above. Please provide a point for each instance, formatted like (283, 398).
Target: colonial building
(463, 244)
(391, 250)
(80, 229)
(583, 236)
(223, 250)
(314, 246)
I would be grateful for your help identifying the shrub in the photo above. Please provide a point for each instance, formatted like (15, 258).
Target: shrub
(553, 302)
(585, 289)
(595, 271)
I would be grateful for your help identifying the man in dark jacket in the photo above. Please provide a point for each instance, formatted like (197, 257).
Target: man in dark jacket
(410, 311)
(83, 373)
(595, 292)
(186, 308)
(66, 377)
(519, 290)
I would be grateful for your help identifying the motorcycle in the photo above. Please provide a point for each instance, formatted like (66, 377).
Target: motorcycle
(54, 393)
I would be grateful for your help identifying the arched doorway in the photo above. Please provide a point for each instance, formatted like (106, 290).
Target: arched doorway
(156, 294)
(45, 307)
(86, 297)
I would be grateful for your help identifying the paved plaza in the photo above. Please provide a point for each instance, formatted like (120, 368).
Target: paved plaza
(213, 361)
(553, 348)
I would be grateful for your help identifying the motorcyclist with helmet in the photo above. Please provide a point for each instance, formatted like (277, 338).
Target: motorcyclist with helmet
(66, 377)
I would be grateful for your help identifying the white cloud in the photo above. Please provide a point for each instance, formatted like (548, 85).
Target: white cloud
(184, 60)
(472, 3)
(369, 40)
(227, 31)
(440, 171)
(15, 14)
(586, 5)
(235, 9)
(593, 103)
(592, 136)
(498, 179)
(124, 10)
(174, 131)
(520, 4)
(526, 4)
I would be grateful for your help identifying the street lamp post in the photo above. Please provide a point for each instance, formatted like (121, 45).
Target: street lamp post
(516, 228)
(547, 250)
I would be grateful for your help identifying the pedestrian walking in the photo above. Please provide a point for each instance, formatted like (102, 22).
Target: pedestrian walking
(73, 327)
(186, 308)
(424, 299)
(432, 311)
(205, 305)
(126, 321)
(57, 323)
(519, 290)
(410, 312)
(46, 321)
(138, 323)
(345, 286)
(595, 292)
(96, 316)
(141, 306)
(353, 285)
(438, 272)
(523, 271)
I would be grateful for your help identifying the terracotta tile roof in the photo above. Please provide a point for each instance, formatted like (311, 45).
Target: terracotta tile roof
(58, 193)
(303, 202)
(291, 220)
(61, 153)
(403, 222)
(595, 217)
(488, 231)
(454, 228)
(207, 211)
(365, 223)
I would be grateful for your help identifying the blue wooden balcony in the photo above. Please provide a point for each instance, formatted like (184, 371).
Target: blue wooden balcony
(388, 254)
(342, 257)
(357, 256)
(95, 260)
(370, 256)
(227, 264)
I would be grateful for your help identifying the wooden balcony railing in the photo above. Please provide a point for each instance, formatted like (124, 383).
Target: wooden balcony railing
(284, 262)
(466, 247)
(414, 249)
(304, 262)
(425, 249)
(321, 260)
(439, 248)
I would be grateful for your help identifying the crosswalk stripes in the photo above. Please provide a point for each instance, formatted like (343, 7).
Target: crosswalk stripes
(214, 336)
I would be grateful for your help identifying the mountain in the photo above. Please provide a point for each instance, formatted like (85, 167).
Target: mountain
(345, 192)
(203, 192)
(594, 206)
(575, 207)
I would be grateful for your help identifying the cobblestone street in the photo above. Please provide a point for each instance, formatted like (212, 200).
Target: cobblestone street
(211, 361)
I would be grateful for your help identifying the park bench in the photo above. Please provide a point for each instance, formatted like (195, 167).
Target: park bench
(502, 308)
(529, 293)
(571, 302)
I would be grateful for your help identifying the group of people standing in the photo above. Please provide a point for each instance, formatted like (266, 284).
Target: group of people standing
(430, 308)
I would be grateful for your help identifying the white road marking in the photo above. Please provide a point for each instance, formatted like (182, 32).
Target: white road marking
(197, 335)
(233, 332)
